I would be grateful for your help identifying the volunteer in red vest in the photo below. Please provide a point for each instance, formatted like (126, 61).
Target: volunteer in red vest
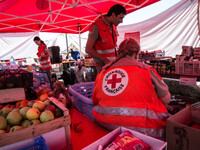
(102, 36)
(131, 94)
(44, 56)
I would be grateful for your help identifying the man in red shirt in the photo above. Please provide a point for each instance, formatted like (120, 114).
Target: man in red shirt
(103, 34)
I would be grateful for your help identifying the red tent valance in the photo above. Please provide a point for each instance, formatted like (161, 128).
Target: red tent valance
(63, 16)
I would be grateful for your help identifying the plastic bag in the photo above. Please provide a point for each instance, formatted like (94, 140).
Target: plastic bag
(126, 141)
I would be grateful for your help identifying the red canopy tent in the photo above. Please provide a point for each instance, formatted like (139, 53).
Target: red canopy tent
(63, 16)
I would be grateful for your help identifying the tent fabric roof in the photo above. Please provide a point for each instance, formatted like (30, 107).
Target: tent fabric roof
(62, 16)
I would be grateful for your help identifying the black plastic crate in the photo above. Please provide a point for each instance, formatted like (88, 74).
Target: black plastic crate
(15, 79)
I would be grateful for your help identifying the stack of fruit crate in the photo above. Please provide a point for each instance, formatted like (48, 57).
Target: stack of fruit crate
(191, 68)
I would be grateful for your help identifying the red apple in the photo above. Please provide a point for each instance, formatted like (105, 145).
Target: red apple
(8, 105)
(51, 108)
(7, 71)
(12, 106)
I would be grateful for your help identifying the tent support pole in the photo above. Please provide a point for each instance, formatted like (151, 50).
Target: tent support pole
(67, 45)
(80, 43)
(79, 32)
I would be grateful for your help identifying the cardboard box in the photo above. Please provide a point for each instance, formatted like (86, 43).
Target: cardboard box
(12, 95)
(180, 136)
(155, 144)
(37, 130)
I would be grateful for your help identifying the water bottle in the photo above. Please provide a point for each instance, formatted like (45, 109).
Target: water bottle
(12, 61)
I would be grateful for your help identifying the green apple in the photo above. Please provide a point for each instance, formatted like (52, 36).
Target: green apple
(58, 113)
(46, 115)
(5, 111)
(16, 109)
(34, 122)
(33, 113)
(23, 111)
(3, 123)
(30, 103)
(47, 102)
(15, 128)
(25, 123)
(2, 132)
(39, 105)
(14, 118)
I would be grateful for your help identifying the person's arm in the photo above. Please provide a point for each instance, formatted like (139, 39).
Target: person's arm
(92, 37)
(160, 87)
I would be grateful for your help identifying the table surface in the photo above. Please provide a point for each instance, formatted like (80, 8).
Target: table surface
(90, 130)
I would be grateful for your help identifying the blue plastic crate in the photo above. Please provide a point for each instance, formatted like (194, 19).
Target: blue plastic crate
(82, 95)
(39, 144)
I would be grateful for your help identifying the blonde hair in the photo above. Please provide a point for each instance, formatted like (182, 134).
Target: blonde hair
(128, 47)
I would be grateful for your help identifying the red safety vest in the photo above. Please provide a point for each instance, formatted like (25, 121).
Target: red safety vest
(106, 46)
(45, 63)
(125, 96)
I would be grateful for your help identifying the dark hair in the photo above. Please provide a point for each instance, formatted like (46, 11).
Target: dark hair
(117, 9)
(36, 38)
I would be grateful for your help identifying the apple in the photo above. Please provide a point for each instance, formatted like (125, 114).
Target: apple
(43, 97)
(21, 71)
(63, 100)
(39, 105)
(50, 93)
(5, 111)
(42, 91)
(78, 127)
(47, 102)
(30, 103)
(12, 107)
(16, 109)
(23, 103)
(46, 115)
(34, 122)
(7, 71)
(33, 113)
(2, 132)
(23, 111)
(18, 104)
(25, 123)
(14, 118)
(58, 113)
(51, 108)
(1, 106)
(8, 105)
(15, 128)
(8, 128)
(3, 123)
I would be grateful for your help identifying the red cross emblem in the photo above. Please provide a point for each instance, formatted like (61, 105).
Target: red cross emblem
(114, 81)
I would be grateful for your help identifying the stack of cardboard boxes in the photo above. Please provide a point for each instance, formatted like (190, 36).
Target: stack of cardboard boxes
(188, 62)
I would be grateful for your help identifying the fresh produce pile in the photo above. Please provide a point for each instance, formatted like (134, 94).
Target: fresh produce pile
(24, 114)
